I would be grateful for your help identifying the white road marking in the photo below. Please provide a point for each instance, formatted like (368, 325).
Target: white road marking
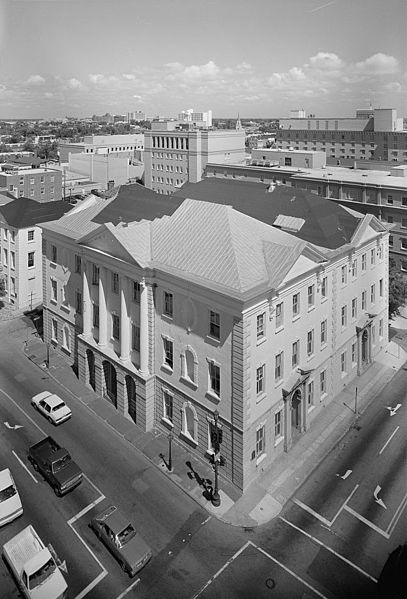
(86, 509)
(376, 498)
(318, 516)
(393, 410)
(93, 484)
(345, 476)
(388, 440)
(24, 466)
(367, 522)
(290, 572)
(397, 515)
(128, 589)
(206, 520)
(230, 560)
(23, 412)
(14, 428)
(338, 555)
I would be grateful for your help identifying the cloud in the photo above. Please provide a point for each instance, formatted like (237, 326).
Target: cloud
(74, 83)
(96, 78)
(48, 95)
(378, 64)
(128, 76)
(137, 97)
(325, 61)
(35, 80)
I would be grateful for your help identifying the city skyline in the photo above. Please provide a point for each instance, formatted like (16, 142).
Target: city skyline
(84, 57)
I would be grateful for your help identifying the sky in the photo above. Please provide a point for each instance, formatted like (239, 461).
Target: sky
(255, 58)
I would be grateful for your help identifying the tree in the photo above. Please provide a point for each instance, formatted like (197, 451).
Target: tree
(397, 289)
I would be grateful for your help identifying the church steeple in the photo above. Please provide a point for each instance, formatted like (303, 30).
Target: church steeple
(238, 123)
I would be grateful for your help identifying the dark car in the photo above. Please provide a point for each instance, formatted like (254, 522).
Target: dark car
(392, 583)
(122, 539)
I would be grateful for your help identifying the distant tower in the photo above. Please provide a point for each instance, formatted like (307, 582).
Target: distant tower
(238, 124)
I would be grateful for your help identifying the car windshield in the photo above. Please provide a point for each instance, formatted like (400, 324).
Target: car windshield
(7, 493)
(126, 534)
(41, 575)
(61, 463)
(58, 407)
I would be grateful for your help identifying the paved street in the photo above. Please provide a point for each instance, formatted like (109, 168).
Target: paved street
(330, 541)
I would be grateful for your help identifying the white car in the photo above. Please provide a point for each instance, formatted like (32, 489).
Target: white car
(52, 406)
(10, 502)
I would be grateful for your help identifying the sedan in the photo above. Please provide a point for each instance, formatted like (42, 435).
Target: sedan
(10, 502)
(52, 406)
(122, 539)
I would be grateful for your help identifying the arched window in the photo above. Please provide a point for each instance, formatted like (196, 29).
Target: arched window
(190, 422)
(189, 365)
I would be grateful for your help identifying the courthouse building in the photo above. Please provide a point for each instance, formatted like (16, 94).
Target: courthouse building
(259, 302)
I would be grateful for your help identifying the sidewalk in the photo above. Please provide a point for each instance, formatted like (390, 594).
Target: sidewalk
(264, 499)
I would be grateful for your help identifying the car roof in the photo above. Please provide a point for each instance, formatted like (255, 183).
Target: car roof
(116, 520)
(53, 400)
(5, 479)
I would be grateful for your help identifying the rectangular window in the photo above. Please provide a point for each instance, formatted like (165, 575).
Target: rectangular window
(363, 300)
(95, 274)
(296, 304)
(54, 254)
(168, 406)
(390, 199)
(136, 292)
(54, 331)
(381, 287)
(168, 304)
(30, 259)
(279, 315)
(354, 268)
(322, 382)
(324, 287)
(278, 369)
(310, 342)
(214, 324)
(260, 374)
(311, 299)
(295, 355)
(354, 308)
(30, 235)
(310, 393)
(372, 256)
(372, 293)
(403, 244)
(115, 326)
(278, 429)
(260, 325)
(353, 353)
(214, 378)
(115, 282)
(344, 316)
(54, 290)
(13, 259)
(260, 441)
(78, 263)
(78, 302)
(343, 362)
(324, 332)
(96, 316)
(364, 261)
(404, 201)
(343, 275)
(404, 222)
(381, 328)
(135, 337)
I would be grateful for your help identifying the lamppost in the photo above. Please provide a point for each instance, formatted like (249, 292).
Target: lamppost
(215, 498)
(170, 437)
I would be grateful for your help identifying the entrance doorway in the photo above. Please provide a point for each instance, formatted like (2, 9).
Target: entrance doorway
(90, 357)
(110, 387)
(365, 346)
(131, 397)
(296, 414)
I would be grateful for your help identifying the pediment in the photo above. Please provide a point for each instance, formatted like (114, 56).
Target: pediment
(104, 240)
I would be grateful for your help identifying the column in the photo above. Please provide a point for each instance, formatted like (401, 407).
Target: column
(364, 194)
(124, 322)
(102, 307)
(287, 422)
(86, 303)
(143, 328)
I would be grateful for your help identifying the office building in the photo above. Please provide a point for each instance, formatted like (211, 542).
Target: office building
(40, 184)
(258, 302)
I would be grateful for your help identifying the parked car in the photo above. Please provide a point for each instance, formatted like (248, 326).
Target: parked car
(56, 465)
(52, 407)
(10, 502)
(122, 539)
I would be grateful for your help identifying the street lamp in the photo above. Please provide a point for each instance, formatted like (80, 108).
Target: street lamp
(170, 437)
(215, 498)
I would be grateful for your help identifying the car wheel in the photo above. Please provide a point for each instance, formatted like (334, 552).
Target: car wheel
(50, 419)
(34, 405)
(123, 566)
(35, 466)
(57, 492)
